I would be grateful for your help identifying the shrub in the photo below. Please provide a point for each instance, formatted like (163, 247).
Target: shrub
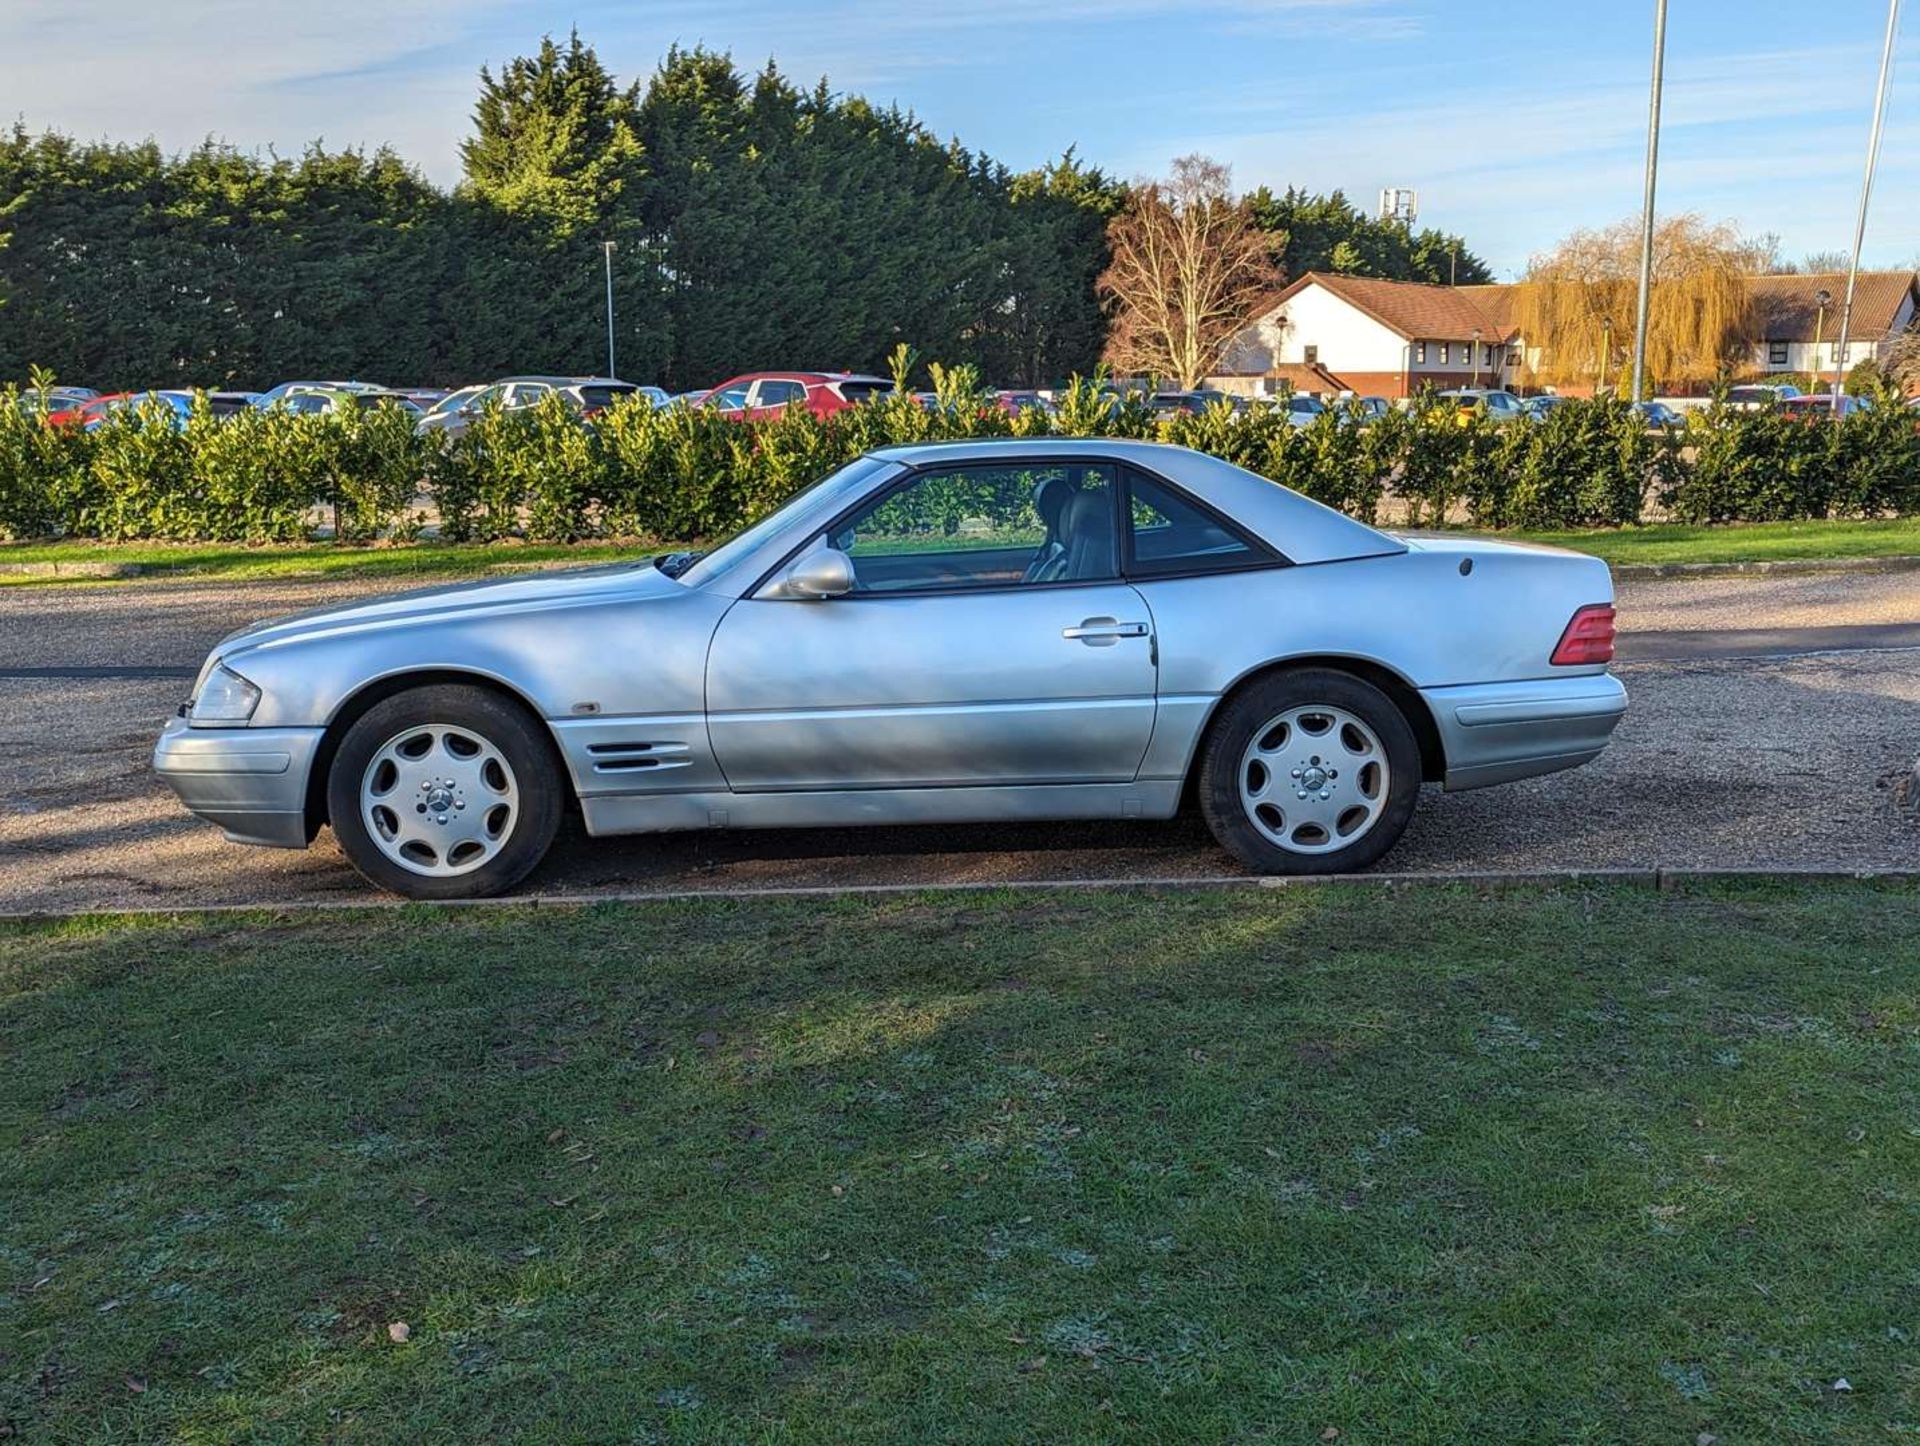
(683, 473)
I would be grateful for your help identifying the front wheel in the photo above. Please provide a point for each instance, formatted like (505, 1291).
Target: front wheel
(445, 792)
(1309, 772)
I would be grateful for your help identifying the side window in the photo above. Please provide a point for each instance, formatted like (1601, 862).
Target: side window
(775, 393)
(732, 399)
(994, 526)
(1167, 534)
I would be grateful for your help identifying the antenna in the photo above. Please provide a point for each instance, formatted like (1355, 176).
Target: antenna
(1399, 204)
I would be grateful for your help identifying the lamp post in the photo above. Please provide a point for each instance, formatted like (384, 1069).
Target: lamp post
(611, 370)
(1646, 209)
(1475, 344)
(1606, 349)
(1822, 299)
(1866, 192)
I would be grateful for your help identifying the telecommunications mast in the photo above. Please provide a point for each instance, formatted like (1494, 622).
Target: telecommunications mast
(1400, 205)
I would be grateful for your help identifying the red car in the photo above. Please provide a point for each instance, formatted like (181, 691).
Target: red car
(758, 395)
(79, 416)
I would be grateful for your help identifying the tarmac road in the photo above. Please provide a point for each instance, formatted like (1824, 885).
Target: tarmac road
(1725, 760)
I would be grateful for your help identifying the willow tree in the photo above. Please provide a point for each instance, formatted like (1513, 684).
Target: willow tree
(1576, 308)
(1189, 267)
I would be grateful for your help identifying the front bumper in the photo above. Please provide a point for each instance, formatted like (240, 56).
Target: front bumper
(1497, 732)
(251, 782)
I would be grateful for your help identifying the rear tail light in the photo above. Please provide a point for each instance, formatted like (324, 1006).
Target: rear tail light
(1588, 638)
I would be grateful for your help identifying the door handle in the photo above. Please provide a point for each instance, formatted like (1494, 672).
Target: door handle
(1096, 632)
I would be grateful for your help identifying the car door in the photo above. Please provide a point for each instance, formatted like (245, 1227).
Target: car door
(988, 640)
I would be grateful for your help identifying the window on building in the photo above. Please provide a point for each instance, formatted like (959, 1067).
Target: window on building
(1776, 353)
(1312, 355)
(1834, 352)
(1513, 356)
(1420, 352)
(1443, 353)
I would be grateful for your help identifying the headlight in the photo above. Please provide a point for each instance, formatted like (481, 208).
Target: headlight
(225, 697)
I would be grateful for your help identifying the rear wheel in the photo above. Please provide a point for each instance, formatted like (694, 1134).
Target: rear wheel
(445, 792)
(1309, 772)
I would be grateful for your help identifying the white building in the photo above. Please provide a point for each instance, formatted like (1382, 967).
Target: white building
(1328, 333)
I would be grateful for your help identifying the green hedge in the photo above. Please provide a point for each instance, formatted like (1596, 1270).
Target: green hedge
(684, 474)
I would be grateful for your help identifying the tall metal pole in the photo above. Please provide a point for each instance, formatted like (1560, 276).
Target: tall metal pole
(1646, 209)
(610, 367)
(1866, 191)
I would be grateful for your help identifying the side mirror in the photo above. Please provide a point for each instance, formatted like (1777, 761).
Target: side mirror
(821, 574)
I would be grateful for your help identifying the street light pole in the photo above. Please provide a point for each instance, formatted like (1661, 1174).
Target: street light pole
(1866, 192)
(611, 371)
(1822, 299)
(1606, 351)
(1646, 208)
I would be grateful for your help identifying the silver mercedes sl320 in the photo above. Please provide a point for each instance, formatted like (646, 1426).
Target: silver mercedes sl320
(954, 632)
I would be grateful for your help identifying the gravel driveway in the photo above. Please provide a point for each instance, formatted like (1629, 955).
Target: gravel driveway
(1721, 762)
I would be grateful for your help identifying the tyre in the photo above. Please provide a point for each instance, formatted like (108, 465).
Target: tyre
(445, 792)
(1309, 772)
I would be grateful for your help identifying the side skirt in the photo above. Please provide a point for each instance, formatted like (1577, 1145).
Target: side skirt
(665, 813)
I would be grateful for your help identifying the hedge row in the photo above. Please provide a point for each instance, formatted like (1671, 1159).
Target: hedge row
(684, 474)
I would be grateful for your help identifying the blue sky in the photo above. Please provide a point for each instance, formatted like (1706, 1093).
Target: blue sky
(1515, 122)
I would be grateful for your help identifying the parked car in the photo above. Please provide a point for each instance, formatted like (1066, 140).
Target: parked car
(1536, 408)
(758, 395)
(1823, 405)
(89, 416)
(586, 395)
(1658, 415)
(1501, 406)
(273, 395)
(1755, 395)
(34, 400)
(1363, 409)
(1015, 402)
(454, 400)
(1116, 623)
(321, 401)
(1167, 404)
(425, 398)
(689, 399)
(1301, 409)
(229, 404)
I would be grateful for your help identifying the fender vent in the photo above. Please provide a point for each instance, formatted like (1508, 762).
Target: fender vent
(638, 755)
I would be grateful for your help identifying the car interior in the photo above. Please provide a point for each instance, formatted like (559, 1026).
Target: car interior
(1022, 525)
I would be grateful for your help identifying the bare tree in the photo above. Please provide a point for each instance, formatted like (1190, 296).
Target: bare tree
(1189, 269)
(1576, 306)
(1822, 263)
(1902, 362)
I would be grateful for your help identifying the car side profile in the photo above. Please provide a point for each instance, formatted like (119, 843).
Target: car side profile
(586, 395)
(758, 395)
(972, 631)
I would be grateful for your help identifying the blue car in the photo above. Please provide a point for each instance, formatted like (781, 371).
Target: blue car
(179, 403)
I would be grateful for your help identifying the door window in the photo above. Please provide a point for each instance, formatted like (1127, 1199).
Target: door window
(1167, 534)
(732, 399)
(776, 393)
(1021, 524)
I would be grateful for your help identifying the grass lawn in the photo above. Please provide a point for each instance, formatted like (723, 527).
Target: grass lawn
(1655, 544)
(1744, 542)
(1430, 1164)
(233, 562)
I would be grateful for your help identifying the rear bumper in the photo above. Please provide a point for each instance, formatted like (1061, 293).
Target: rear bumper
(1497, 732)
(250, 782)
